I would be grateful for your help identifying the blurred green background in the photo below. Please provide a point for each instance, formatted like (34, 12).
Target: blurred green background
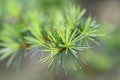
(103, 63)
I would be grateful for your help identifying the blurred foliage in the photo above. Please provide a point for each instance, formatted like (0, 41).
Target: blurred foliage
(13, 43)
